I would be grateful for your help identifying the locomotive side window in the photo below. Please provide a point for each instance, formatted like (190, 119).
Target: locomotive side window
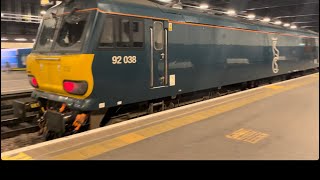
(107, 34)
(158, 35)
(137, 28)
(122, 32)
(309, 44)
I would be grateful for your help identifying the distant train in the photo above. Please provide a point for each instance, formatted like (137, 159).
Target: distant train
(15, 57)
(101, 56)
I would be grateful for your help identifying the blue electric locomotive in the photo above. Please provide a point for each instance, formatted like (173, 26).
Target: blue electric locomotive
(100, 55)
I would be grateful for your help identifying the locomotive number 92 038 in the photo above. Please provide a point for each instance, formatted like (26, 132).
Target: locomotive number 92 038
(124, 59)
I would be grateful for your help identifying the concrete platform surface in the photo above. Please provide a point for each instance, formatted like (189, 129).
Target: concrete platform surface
(274, 122)
(15, 82)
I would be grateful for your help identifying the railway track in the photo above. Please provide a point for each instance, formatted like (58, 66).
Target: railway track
(15, 96)
(11, 125)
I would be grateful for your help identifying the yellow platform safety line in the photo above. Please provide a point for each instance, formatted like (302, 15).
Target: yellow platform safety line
(275, 87)
(139, 135)
(20, 156)
(18, 69)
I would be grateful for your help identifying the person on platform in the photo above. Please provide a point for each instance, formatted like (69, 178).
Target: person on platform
(8, 66)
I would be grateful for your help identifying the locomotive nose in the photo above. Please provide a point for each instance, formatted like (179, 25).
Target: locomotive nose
(57, 74)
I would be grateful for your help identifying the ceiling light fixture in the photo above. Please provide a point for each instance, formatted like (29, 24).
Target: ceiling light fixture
(165, 1)
(204, 6)
(286, 24)
(251, 16)
(231, 12)
(293, 27)
(266, 19)
(177, 5)
(20, 39)
(278, 22)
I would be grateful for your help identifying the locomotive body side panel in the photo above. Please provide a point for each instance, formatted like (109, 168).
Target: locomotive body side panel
(201, 51)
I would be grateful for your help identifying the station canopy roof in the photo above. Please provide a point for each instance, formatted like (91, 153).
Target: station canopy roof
(303, 14)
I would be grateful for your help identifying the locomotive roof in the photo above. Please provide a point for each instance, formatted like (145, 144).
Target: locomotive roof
(151, 9)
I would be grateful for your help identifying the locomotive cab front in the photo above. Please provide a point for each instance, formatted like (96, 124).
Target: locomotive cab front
(60, 65)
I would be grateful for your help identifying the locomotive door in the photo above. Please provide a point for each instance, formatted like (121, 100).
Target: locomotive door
(159, 54)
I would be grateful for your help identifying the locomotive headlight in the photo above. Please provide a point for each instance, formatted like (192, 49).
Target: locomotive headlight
(75, 87)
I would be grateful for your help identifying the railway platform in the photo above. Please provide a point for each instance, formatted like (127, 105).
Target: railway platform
(14, 82)
(273, 122)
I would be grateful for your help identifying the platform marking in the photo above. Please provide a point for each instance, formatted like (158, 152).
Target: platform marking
(139, 135)
(247, 135)
(20, 156)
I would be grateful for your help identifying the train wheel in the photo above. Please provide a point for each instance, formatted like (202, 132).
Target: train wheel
(50, 135)
(171, 105)
(107, 118)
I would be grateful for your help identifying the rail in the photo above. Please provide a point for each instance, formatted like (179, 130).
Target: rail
(12, 126)
(5, 97)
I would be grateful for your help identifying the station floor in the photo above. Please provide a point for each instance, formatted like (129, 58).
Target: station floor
(273, 122)
(14, 82)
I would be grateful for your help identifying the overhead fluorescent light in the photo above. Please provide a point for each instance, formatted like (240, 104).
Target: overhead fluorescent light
(266, 19)
(251, 16)
(4, 39)
(165, 1)
(231, 12)
(293, 27)
(20, 39)
(278, 22)
(286, 24)
(204, 6)
(177, 5)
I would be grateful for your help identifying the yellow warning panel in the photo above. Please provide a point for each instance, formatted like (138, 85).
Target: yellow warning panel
(20, 156)
(247, 135)
(170, 26)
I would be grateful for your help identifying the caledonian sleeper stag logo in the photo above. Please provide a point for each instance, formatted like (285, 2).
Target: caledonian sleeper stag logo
(276, 55)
